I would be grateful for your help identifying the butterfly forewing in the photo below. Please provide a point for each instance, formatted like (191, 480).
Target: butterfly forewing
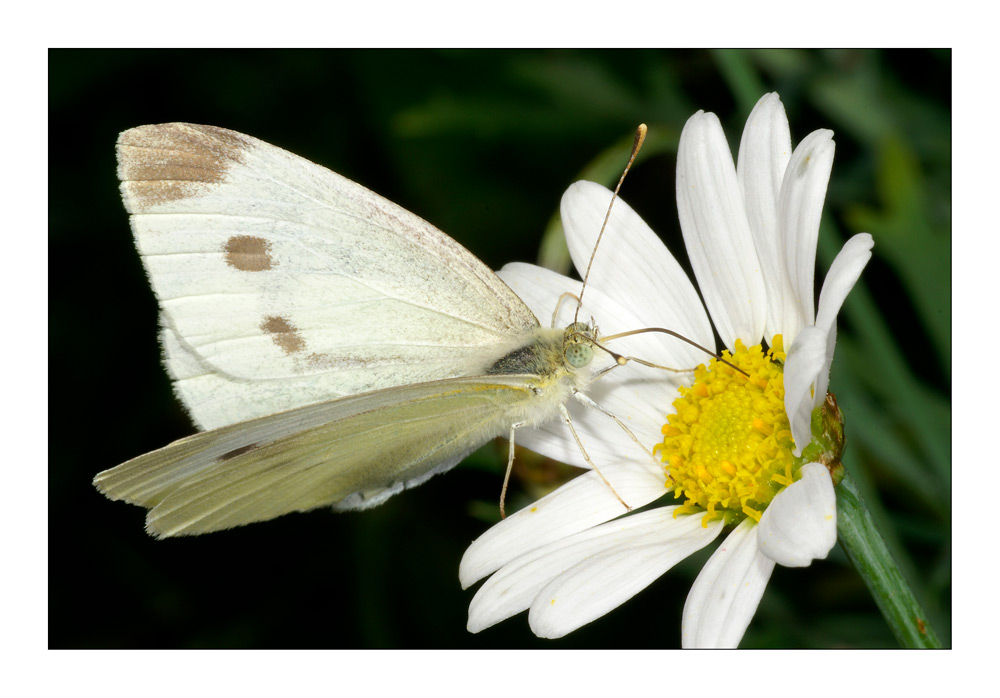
(282, 283)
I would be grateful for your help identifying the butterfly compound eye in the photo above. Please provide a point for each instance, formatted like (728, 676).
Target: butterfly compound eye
(578, 354)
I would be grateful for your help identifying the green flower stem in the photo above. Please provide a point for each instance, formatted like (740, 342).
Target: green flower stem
(868, 553)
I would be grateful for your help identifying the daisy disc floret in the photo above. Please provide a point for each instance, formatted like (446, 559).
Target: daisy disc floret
(728, 446)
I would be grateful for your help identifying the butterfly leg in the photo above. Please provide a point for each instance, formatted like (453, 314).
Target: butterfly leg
(593, 405)
(510, 465)
(563, 297)
(586, 457)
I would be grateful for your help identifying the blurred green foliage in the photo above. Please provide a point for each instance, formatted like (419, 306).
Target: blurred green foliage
(482, 144)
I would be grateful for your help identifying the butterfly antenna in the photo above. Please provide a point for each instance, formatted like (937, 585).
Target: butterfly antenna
(622, 360)
(640, 136)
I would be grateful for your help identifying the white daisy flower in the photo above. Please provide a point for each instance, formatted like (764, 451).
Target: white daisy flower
(732, 445)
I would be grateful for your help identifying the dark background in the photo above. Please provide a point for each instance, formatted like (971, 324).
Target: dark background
(482, 144)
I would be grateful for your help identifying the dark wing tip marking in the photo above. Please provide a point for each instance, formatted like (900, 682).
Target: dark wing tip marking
(162, 163)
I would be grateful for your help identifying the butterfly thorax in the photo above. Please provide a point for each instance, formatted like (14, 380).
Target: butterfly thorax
(551, 353)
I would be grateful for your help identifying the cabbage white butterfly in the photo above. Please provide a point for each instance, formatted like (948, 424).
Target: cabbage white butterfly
(335, 348)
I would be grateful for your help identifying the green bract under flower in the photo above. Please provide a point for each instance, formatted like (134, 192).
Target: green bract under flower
(728, 449)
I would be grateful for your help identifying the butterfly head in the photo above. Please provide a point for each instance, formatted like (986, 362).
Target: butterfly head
(579, 340)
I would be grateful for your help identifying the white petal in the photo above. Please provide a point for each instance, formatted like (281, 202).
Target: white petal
(717, 233)
(632, 265)
(540, 289)
(579, 504)
(604, 441)
(807, 370)
(765, 149)
(727, 591)
(604, 581)
(800, 524)
(843, 274)
(800, 208)
(512, 589)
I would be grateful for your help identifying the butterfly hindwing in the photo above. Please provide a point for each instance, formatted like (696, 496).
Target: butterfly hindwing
(350, 453)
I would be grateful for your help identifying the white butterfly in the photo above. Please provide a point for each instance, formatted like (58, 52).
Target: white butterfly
(336, 348)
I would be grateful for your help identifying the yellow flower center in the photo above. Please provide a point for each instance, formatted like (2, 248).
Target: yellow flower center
(728, 448)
